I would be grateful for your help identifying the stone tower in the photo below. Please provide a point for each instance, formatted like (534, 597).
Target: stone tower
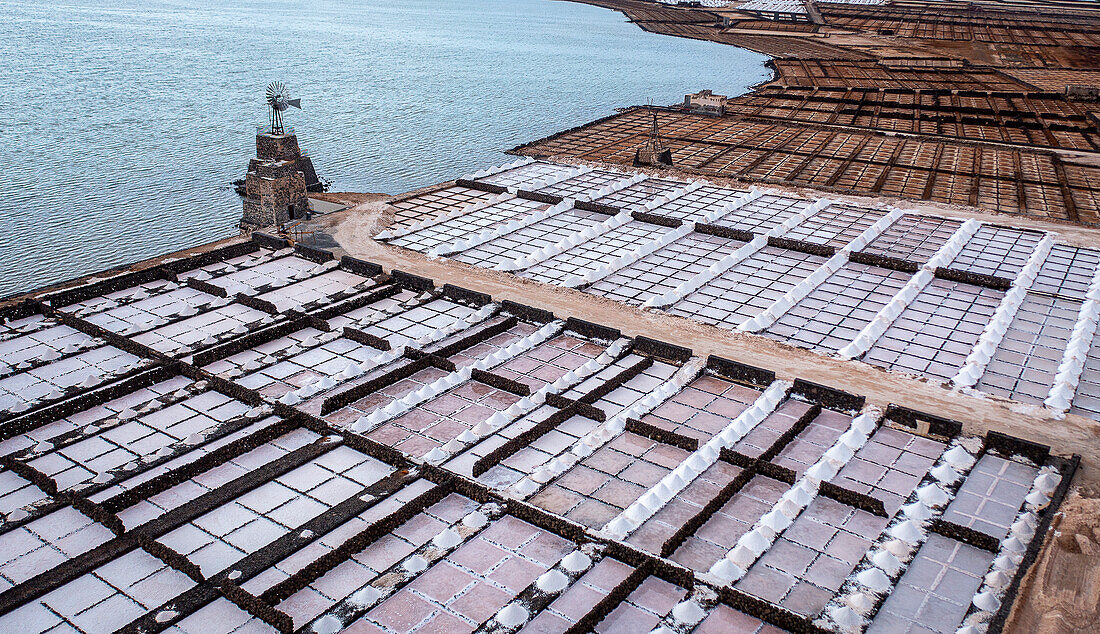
(277, 182)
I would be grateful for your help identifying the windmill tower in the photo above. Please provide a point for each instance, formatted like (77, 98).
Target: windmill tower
(280, 175)
(278, 99)
(653, 153)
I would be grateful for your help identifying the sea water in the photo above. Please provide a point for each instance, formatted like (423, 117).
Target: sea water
(124, 122)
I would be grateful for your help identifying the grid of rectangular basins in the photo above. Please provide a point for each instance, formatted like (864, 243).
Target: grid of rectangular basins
(500, 464)
(177, 319)
(991, 496)
(420, 319)
(591, 254)
(1067, 272)
(763, 214)
(245, 528)
(864, 74)
(524, 176)
(583, 186)
(44, 360)
(889, 467)
(913, 238)
(748, 288)
(955, 23)
(257, 271)
(935, 333)
(529, 239)
(665, 269)
(806, 566)
(244, 525)
(265, 368)
(638, 193)
(442, 419)
(311, 292)
(1027, 359)
(930, 595)
(695, 205)
(835, 311)
(108, 597)
(467, 395)
(168, 423)
(1086, 400)
(1009, 179)
(1019, 119)
(192, 496)
(433, 204)
(602, 485)
(835, 226)
(327, 360)
(997, 251)
(831, 316)
(809, 562)
(468, 224)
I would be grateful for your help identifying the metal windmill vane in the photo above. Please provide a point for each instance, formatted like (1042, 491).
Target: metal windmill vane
(278, 99)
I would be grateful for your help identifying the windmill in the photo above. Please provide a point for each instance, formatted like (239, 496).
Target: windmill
(653, 153)
(278, 99)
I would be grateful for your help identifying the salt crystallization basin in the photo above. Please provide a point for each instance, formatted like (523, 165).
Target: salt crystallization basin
(264, 438)
(1005, 311)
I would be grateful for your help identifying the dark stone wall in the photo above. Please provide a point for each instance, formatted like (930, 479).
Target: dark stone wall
(305, 166)
(277, 182)
(277, 147)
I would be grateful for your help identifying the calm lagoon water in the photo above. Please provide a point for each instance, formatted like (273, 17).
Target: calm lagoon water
(123, 122)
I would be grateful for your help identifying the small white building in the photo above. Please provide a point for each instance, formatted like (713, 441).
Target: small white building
(706, 102)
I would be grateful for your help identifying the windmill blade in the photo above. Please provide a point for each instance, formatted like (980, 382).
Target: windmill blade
(276, 92)
(278, 99)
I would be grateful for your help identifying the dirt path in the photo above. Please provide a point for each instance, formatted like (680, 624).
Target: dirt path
(1061, 594)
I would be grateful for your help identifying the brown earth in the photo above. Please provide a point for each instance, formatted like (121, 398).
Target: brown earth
(349, 198)
(1061, 593)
